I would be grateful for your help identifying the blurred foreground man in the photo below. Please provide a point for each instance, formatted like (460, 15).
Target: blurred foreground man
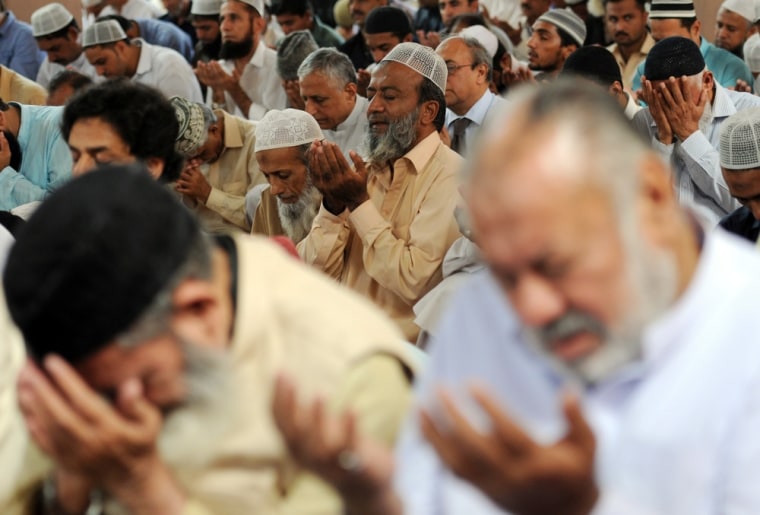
(153, 355)
(600, 284)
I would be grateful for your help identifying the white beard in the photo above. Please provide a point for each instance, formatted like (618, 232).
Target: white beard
(296, 218)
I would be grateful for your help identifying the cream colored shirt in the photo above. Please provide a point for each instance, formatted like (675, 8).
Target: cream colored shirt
(628, 69)
(17, 88)
(231, 176)
(390, 248)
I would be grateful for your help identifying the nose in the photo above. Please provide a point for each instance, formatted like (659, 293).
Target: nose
(375, 104)
(82, 165)
(536, 301)
(532, 42)
(276, 187)
(310, 108)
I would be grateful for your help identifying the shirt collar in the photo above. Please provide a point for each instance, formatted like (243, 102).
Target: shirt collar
(723, 106)
(232, 136)
(10, 19)
(477, 113)
(360, 109)
(257, 59)
(421, 153)
(144, 63)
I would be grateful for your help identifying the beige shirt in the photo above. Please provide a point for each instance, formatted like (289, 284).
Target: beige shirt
(390, 249)
(628, 69)
(231, 176)
(17, 88)
(332, 343)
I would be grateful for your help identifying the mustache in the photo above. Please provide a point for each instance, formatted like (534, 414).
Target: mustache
(570, 324)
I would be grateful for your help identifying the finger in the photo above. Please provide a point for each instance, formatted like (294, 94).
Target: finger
(665, 97)
(51, 408)
(133, 404)
(684, 91)
(359, 166)
(509, 433)
(80, 396)
(284, 408)
(578, 429)
(462, 432)
(335, 159)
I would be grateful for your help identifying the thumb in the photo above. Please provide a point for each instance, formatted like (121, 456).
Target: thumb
(359, 166)
(132, 403)
(578, 430)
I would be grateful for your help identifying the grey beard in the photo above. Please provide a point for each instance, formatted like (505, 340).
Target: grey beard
(706, 119)
(296, 218)
(397, 140)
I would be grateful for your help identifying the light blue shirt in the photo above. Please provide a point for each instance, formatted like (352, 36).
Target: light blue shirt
(477, 115)
(18, 48)
(166, 34)
(678, 433)
(46, 159)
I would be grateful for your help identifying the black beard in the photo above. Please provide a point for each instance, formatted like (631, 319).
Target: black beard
(15, 150)
(232, 50)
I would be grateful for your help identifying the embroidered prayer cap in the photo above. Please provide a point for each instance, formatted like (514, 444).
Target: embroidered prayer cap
(595, 63)
(286, 128)
(673, 57)
(293, 49)
(421, 59)
(102, 33)
(49, 19)
(91, 3)
(256, 4)
(92, 259)
(744, 8)
(206, 7)
(740, 140)
(752, 53)
(664, 9)
(387, 19)
(568, 21)
(192, 127)
(483, 36)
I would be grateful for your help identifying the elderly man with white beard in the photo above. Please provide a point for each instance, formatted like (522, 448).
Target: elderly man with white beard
(384, 227)
(590, 369)
(686, 109)
(153, 353)
(290, 203)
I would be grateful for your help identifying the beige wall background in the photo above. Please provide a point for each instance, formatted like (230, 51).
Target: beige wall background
(706, 10)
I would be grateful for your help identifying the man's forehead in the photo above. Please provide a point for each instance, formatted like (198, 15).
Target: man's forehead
(395, 75)
(451, 47)
(545, 27)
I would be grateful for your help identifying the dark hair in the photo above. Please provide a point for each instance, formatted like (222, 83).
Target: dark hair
(565, 38)
(429, 91)
(141, 116)
(462, 21)
(73, 78)
(60, 33)
(640, 3)
(11, 222)
(204, 17)
(125, 23)
(294, 7)
(687, 22)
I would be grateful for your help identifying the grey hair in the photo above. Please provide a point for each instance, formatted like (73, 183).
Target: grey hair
(155, 320)
(329, 61)
(478, 53)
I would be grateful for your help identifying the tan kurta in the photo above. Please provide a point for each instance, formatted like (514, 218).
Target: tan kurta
(332, 343)
(17, 88)
(266, 219)
(390, 249)
(628, 69)
(231, 176)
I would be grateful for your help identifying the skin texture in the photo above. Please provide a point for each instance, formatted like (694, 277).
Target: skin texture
(731, 31)
(665, 28)
(532, 9)
(744, 186)
(450, 9)
(114, 60)
(359, 9)
(61, 50)
(626, 23)
(206, 30)
(325, 100)
(546, 52)
(293, 22)
(381, 43)
(285, 172)
(466, 84)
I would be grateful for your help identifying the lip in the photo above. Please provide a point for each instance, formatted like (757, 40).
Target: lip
(574, 346)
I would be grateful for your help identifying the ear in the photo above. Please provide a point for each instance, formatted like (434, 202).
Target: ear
(196, 312)
(155, 166)
(407, 39)
(259, 24)
(350, 89)
(696, 31)
(428, 112)
(72, 34)
(708, 79)
(567, 50)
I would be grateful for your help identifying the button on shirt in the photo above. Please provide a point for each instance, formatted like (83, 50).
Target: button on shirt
(18, 48)
(167, 71)
(678, 433)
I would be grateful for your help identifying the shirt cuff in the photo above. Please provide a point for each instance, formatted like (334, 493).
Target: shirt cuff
(365, 218)
(214, 198)
(696, 145)
(661, 147)
(323, 215)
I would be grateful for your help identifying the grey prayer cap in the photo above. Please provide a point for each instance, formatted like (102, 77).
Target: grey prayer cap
(102, 33)
(421, 59)
(49, 19)
(293, 49)
(568, 21)
(740, 140)
(286, 128)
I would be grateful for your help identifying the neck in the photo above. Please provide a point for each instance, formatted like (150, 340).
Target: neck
(462, 108)
(132, 53)
(13, 120)
(634, 48)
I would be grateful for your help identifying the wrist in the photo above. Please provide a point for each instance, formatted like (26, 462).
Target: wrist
(335, 208)
(152, 491)
(358, 202)
(665, 138)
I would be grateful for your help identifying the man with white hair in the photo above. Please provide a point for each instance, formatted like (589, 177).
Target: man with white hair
(290, 203)
(468, 97)
(244, 81)
(686, 109)
(220, 167)
(734, 24)
(570, 378)
(328, 84)
(385, 226)
(57, 34)
(112, 54)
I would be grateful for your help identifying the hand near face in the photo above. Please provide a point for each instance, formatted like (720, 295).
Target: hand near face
(193, 183)
(521, 75)
(212, 75)
(431, 39)
(742, 86)
(113, 447)
(293, 91)
(518, 474)
(682, 110)
(653, 98)
(341, 186)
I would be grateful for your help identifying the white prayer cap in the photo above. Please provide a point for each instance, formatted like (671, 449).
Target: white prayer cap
(91, 3)
(483, 36)
(206, 7)
(256, 4)
(49, 19)
(286, 128)
(102, 33)
(752, 53)
(744, 8)
(740, 140)
(421, 59)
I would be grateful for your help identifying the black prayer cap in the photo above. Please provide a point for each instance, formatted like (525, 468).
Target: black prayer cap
(387, 19)
(595, 63)
(673, 57)
(92, 258)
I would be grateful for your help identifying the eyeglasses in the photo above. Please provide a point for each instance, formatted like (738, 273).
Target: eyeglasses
(452, 68)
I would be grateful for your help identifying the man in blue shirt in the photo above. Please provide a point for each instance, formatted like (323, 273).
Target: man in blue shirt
(18, 48)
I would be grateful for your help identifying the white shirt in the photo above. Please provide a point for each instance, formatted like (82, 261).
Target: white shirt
(678, 433)
(48, 70)
(135, 9)
(259, 81)
(478, 113)
(350, 134)
(167, 71)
